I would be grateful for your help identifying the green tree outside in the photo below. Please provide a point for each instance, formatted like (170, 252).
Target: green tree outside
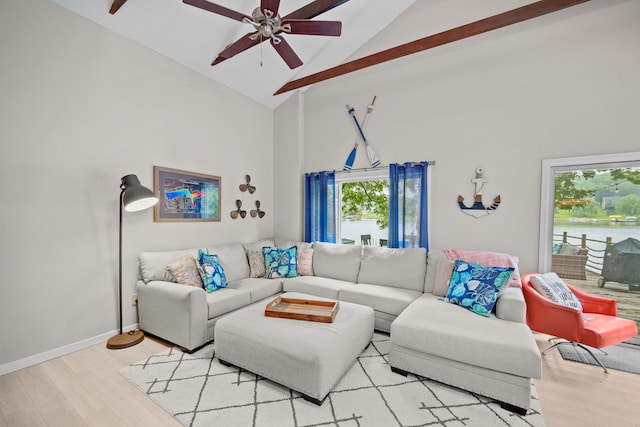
(591, 210)
(367, 196)
(628, 205)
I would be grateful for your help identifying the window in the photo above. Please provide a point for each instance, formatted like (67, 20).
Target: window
(564, 188)
(362, 204)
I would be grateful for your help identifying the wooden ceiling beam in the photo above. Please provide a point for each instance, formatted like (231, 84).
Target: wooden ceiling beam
(501, 20)
(117, 4)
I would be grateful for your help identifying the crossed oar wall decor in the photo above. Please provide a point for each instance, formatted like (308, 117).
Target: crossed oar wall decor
(373, 157)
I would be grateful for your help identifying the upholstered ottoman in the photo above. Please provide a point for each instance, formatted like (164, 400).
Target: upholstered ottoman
(308, 357)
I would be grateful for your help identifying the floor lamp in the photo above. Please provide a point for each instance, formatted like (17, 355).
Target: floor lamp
(133, 197)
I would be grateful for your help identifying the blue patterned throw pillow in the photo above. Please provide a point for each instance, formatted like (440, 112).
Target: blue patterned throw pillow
(280, 262)
(211, 271)
(475, 287)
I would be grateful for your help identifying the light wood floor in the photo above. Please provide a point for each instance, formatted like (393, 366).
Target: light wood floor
(85, 389)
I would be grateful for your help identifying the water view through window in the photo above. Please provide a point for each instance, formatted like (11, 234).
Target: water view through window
(594, 208)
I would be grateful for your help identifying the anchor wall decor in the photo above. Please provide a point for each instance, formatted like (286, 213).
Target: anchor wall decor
(478, 208)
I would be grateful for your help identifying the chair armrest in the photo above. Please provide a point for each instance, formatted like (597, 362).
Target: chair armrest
(511, 305)
(595, 304)
(176, 313)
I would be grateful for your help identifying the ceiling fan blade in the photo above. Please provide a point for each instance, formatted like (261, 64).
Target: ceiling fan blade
(215, 8)
(314, 28)
(117, 4)
(236, 47)
(285, 50)
(314, 9)
(271, 5)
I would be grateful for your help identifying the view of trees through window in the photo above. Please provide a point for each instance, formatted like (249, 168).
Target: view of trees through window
(603, 205)
(364, 208)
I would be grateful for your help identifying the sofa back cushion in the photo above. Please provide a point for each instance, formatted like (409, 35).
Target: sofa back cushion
(233, 260)
(153, 265)
(282, 242)
(433, 258)
(337, 261)
(396, 267)
(258, 245)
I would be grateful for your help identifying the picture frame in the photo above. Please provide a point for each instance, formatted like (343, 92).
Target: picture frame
(185, 196)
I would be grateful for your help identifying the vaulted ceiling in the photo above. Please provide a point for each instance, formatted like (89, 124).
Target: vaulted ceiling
(194, 37)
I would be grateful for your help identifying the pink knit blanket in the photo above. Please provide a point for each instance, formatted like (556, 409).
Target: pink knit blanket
(488, 259)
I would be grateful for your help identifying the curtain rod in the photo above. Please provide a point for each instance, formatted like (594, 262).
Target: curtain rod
(430, 163)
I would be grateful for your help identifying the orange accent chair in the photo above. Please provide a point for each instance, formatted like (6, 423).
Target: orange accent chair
(597, 326)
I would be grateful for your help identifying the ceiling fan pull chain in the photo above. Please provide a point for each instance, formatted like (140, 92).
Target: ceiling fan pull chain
(261, 50)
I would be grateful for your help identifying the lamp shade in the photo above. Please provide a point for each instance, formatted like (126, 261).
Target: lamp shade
(135, 196)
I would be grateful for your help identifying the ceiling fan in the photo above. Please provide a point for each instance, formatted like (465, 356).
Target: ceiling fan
(268, 25)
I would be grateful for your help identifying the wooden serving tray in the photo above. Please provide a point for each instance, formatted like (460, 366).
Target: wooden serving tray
(302, 309)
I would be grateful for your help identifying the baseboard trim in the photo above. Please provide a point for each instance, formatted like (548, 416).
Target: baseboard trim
(7, 368)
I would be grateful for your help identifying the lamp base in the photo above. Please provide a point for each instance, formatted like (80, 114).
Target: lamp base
(125, 340)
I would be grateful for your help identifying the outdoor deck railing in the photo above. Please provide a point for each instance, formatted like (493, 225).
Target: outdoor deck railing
(596, 255)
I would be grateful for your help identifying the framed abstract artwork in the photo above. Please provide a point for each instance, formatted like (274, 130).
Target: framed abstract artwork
(185, 196)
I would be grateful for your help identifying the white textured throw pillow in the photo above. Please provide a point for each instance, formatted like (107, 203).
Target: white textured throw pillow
(554, 288)
(256, 263)
(305, 262)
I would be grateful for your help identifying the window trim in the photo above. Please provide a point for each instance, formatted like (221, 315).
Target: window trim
(547, 191)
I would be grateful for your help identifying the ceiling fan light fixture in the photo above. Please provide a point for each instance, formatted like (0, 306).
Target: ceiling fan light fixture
(266, 29)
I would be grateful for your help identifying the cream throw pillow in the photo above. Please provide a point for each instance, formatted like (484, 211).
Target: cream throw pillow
(569, 249)
(554, 288)
(256, 263)
(444, 269)
(305, 262)
(185, 270)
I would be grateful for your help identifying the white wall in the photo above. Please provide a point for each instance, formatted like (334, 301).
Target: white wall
(287, 160)
(561, 85)
(80, 108)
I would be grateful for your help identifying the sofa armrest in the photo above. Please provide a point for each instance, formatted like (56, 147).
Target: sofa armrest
(176, 313)
(511, 306)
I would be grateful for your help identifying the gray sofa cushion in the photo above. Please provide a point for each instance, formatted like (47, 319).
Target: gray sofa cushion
(398, 268)
(315, 285)
(287, 243)
(336, 261)
(383, 299)
(432, 265)
(153, 265)
(226, 300)
(259, 288)
(259, 244)
(233, 259)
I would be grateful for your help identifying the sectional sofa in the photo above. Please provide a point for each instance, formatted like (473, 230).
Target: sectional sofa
(495, 356)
